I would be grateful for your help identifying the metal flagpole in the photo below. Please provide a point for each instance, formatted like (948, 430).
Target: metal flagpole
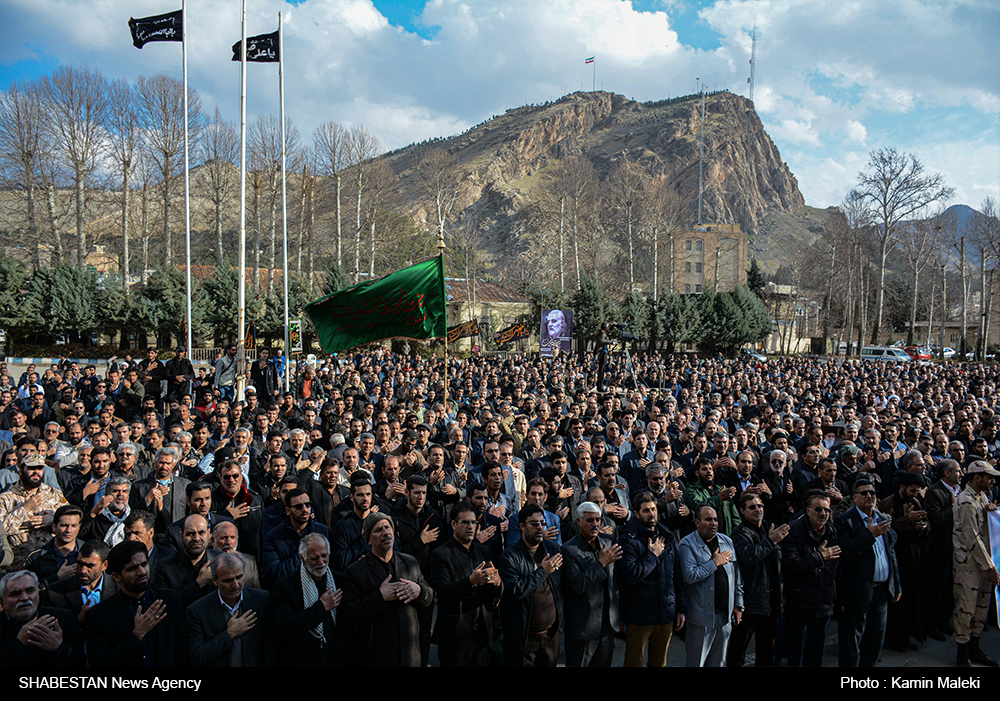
(241, 317)
(595, 75)
(284, 201)
(187, 180)
(440, 246)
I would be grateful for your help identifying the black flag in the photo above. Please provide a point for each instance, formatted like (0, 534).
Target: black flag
(158, 28)
(260, 49)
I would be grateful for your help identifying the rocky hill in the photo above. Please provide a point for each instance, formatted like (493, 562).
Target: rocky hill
(505, 162)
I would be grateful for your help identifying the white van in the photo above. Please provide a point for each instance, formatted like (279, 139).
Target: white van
(885, 354)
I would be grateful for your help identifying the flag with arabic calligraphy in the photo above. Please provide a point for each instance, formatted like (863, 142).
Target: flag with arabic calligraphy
(511, 333)
(156, 28)
(469, 328)
(409, 303)
(260, 49)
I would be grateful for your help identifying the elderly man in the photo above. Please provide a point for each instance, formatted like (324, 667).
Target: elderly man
(31, 636)
(305, 602)
(975, 572)
(231, 627)
(870, 574)
(381, 593)
(106, 520)
(714, 590)
(138, 626)
(28, 508)
(162, 492)
(591, 591)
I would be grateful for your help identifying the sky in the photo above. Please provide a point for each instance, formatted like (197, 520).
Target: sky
(835, 79)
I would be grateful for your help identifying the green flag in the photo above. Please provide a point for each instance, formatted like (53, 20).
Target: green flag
(409, 303)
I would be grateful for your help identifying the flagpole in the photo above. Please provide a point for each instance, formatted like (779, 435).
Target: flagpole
(444, 293)
(595, 75)
(187, 179)
(241, 316)
(284, 201)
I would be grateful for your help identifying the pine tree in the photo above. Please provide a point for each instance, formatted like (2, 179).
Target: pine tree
(755, 279)
(336, 278)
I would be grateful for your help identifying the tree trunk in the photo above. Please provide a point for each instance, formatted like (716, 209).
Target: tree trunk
(274, 230)
(125, 213)
(145, 234)
(167, 239)
(81, 229)
(965, 306)
(562, 266)
(883, 252)
(50, 199)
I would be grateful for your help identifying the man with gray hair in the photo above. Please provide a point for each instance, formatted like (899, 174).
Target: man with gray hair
(590, 591)
(306, 602)
(106, 521)
(31, 636)
(163, 493)
(231, 626)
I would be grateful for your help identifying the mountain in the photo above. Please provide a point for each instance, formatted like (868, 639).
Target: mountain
(506, 162)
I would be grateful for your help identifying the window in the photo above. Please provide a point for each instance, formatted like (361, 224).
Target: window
(687, 246)
(697, 289)
(698, 246)
(697, 267)
(687, 267)
(687, 289)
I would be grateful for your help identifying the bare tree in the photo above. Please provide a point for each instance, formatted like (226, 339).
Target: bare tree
(363, 147)
(438, 176)
(161, 101)
(220, 149)
(918, 241)
(986, 237)
(22, 147)
(124, 135)
(663, 218)
(77, 100)
(893, 189)
(380, 196)
(330, 142)
(626, 183)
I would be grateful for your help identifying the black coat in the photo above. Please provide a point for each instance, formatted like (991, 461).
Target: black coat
(521, 578)
(176, 573)
(463, 609)
(652, 587)
(383, 633)
(111, 643)
(293, 621)
(66, 594)
(857, 560)
(810, 581)
(586, 583)
(209, 644)
(14, 654)
(760, 567)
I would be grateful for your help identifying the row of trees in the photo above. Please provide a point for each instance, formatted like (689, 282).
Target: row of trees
(897, 256)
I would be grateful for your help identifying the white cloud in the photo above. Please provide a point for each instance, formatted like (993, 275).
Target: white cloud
(856, 132)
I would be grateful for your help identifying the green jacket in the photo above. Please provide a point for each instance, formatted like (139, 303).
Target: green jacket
(729, 517)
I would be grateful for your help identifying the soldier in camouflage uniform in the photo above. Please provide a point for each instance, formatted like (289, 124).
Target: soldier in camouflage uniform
(975, 573)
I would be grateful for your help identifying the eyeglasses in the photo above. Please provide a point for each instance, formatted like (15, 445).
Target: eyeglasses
(303, 506)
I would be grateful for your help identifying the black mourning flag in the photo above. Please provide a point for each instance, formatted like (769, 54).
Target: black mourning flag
(260, 49)
(158, 28)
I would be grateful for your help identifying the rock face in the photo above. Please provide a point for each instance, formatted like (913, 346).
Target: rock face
(504, 162)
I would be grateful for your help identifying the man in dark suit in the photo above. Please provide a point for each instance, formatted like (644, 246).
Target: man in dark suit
(231, 627)
(591, 591)
(138, 626)
(88, 587)
(305, 602)
(381, 593)
(870, 576)
(940, 505)
(31, 636)
(139, 527)
(186, 571)
(468, 588)
(226, 539)
(245, 507)
(198, 501)
(532, 593)
(161, 492)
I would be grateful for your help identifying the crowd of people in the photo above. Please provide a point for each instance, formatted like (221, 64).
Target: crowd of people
(507, 509)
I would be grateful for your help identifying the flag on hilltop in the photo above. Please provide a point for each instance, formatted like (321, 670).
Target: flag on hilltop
(468, 328)
(156, 28)
(589, 60)
(409, 303)
(511, 333)
(260, 49)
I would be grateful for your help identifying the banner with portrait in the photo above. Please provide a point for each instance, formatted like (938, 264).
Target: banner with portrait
(557, 331)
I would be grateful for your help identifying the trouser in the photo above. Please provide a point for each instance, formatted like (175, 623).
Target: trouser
(540, 650)
(706, 646)
(973, 593)
(590, 653)
(806, 638)
(861, 629)
(764, 627)
(638, 637)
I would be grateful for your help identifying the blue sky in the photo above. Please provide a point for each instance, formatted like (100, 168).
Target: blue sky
(834, 79)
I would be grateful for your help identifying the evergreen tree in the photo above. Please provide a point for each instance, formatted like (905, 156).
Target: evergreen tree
(635, 314)
(755, 279)
(590, 309)
(758, 319)
(16, 311)
(336, 278)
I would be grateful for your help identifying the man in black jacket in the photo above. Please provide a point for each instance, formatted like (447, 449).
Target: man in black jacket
(870, 575)
(756, 544)
(591, 592)
(469, 589)
(179, 374)
(138, 626)
(531, 607)
(187, 571)
(31, 636)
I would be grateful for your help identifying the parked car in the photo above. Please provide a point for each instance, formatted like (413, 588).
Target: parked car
(886, 354)
(753, 355)
(949, 353)
(918, 352)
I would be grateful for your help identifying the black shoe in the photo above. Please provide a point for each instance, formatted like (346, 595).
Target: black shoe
(963, 656)
(978, 656)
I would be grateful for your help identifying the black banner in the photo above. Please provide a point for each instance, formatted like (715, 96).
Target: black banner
(511, 333)
(157, 28)
(469, 328)
(260, 49)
